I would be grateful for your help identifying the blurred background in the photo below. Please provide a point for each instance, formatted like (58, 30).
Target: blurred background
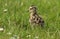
(14, 19)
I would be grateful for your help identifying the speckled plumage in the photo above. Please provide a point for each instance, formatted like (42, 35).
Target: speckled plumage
(34, 17)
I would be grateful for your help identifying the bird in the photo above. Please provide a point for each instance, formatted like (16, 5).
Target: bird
(34, 18)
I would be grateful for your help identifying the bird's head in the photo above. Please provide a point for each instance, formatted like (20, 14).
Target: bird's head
(32, 9)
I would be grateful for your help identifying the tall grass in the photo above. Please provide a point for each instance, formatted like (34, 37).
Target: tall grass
(15, 19)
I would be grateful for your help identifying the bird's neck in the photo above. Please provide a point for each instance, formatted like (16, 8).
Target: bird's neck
(33, 13)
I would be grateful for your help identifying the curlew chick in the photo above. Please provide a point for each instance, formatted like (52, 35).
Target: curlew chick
(34, 17)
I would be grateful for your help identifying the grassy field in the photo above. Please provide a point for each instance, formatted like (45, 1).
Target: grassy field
(14, 18)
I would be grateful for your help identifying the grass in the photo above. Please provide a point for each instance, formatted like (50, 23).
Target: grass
(15, 19)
